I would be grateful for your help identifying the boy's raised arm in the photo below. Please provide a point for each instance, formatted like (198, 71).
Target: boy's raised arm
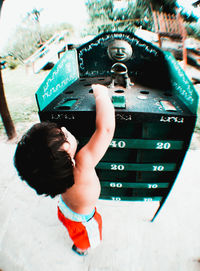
(94, 150)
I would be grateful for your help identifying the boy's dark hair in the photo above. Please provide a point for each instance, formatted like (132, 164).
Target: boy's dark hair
(40, 161)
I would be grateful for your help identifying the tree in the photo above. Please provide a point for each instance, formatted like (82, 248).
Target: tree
(105, 17)
(34, 16)
(4, 111)
(34, 36)
(190, 18)
(147, 6)
(168, 6)
(101, 15)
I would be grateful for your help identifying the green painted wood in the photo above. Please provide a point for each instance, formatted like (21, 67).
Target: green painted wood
(126, 198)
(156, 167)
(146, 144)
(63, 74)
(119, 185)
(182, 86)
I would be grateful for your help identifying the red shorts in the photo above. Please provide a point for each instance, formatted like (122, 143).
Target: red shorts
(84, 234)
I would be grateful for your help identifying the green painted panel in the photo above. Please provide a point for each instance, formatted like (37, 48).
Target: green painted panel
(63, 74)
(122, 155)
(119, 185)
(126, 198)
(120, 176)
(165, 130)
(153, 176)
(182, 86)
(146, 144)
(162, 167)
(152, 156)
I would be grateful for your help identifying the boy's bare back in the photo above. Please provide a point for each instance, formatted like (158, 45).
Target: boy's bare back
(83, 195)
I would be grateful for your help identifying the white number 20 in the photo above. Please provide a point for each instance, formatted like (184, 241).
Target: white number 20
(117, 167)
(161, 145)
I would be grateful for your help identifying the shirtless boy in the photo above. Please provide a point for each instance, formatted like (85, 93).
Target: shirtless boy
(47, 160)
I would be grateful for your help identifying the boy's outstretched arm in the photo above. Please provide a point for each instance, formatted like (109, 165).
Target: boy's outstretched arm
(95, 149)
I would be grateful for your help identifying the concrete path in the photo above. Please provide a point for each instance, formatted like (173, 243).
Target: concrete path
(32, 239)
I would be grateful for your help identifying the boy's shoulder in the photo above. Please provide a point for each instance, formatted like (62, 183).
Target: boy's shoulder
(83, 160)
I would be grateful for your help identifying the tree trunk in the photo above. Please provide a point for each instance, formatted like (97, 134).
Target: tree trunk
(4, 112)
(5, 115)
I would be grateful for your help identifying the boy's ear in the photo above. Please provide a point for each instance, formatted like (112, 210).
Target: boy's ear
(65, 146)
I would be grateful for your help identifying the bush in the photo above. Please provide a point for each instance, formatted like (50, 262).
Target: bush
(12, 63)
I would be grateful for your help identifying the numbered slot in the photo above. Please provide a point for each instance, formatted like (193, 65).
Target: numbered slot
(113, 192)
(120, 155)
(158, 156)
(136, 192)
(131, 198)
(124, 126)
(164, 130)
(117, 176)
(155, 176)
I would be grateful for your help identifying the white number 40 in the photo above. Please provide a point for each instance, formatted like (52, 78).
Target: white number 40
(120, 144)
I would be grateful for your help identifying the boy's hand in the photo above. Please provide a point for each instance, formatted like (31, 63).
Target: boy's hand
(99, 90)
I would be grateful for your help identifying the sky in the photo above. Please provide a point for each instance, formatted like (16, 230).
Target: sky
(73, 12)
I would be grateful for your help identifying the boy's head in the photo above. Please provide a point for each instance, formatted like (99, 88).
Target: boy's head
(41, 162)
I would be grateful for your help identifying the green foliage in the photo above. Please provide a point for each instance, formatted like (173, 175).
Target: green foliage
(23, 43)
(105, 17)
(168, 6)
(28, 38)
(190, 18)
(12, 63)
(146, 7)
(101, 15)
